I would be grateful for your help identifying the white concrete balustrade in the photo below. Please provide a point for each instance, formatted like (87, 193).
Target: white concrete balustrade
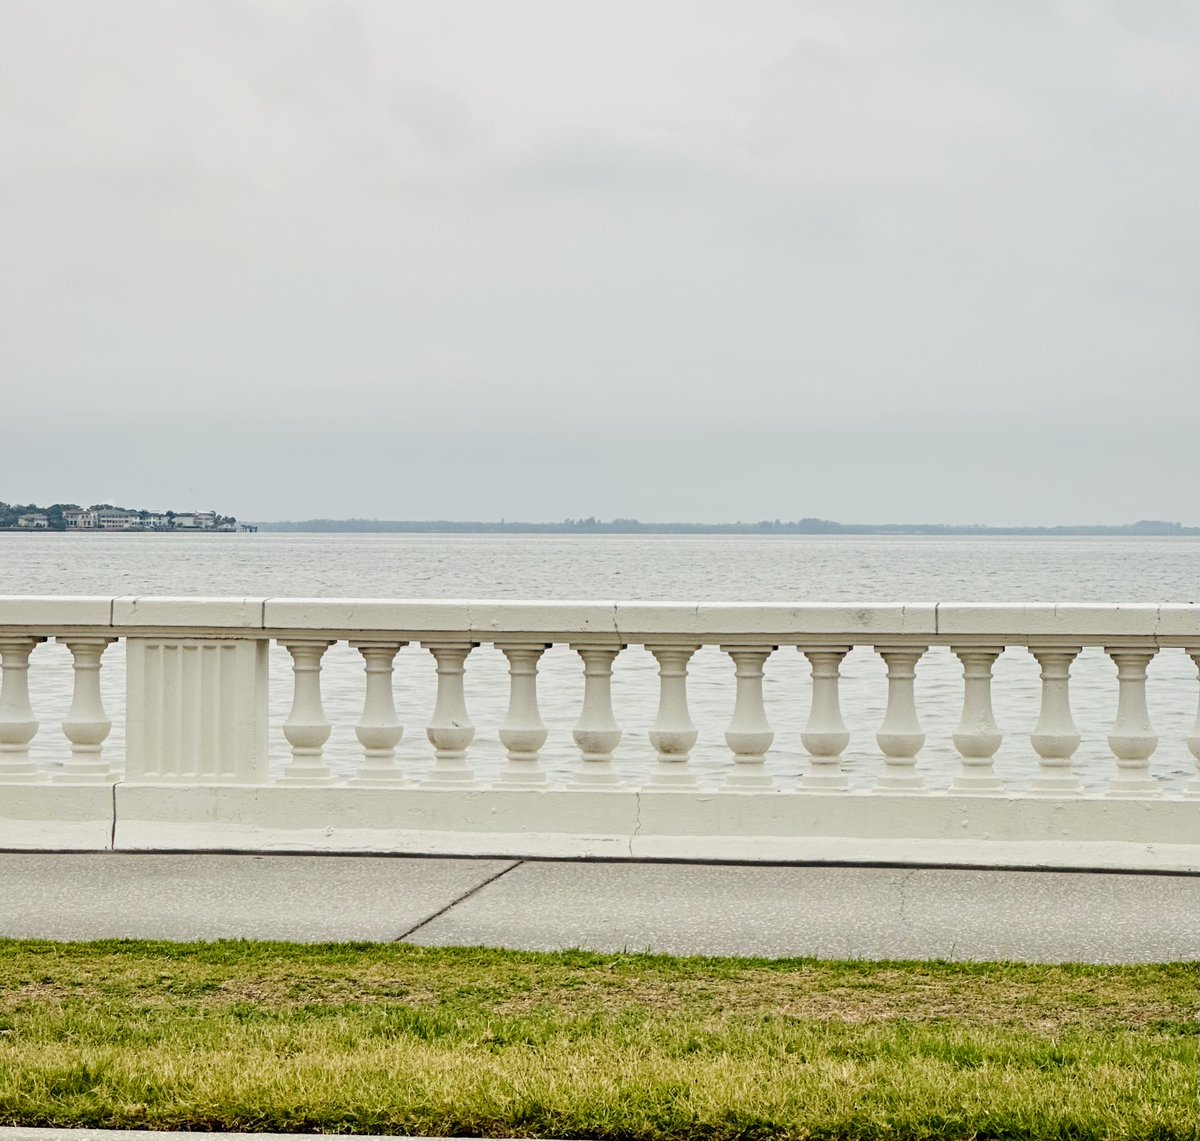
(195, 771)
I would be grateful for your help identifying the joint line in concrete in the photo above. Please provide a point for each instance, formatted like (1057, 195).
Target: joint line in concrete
(455, 902)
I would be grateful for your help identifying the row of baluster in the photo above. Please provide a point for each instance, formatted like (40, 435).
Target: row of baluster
(597, 734)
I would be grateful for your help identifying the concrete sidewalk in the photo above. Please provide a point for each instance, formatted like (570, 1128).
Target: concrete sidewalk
(683, 909)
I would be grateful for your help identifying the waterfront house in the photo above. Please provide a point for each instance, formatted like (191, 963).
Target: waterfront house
(108, 519)
(195, 520)
(116, 520)
(33, 521)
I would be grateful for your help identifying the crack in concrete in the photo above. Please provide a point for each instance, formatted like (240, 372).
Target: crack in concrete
(905, 880)
(455, 902)
(637, 818)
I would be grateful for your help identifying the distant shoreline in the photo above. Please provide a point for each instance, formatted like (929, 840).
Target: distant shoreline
(117, 531)
(819, 527)
(804, 527)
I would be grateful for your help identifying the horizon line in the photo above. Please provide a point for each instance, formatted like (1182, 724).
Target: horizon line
(807, 525)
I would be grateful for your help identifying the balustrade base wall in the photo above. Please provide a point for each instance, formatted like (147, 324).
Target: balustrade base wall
(1077, 832)
(57, 817)
(194, 772)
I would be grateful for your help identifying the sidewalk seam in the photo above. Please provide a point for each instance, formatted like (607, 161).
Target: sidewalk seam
(455, 902)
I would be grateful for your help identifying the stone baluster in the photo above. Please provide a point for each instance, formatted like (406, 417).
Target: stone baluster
(522, 733)
(1193, 786)
(977, 737)
(900, 737)
(1132, 739)
(450, 730)
(18, 726)
(597, 733)
(825, 736)
(379, 729)
(749, 734)
(307, 728)
(1054, 737)
(673, 735)
(87, 725)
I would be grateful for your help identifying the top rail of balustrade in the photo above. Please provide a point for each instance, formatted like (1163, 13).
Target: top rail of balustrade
(632, 622)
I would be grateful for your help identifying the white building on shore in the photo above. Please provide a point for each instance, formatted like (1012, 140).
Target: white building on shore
(114, 519)
(196, 520)
(33, 521)
(101, 519)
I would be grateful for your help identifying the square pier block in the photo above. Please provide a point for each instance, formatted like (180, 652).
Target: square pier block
(197, 710)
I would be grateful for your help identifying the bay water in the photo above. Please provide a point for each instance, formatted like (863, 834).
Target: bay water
(709, 568)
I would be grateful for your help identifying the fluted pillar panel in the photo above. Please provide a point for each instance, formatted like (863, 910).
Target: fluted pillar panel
(196, 710)
(18, 725)
(87, 725)
(1132, 738)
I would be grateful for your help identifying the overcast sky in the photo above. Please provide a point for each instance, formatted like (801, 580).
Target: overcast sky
(675, 260)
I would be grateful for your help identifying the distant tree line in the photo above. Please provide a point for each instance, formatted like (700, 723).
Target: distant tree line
(11, 512)
(808, 526)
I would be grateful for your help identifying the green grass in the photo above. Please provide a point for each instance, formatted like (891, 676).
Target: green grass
(396, 1039)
